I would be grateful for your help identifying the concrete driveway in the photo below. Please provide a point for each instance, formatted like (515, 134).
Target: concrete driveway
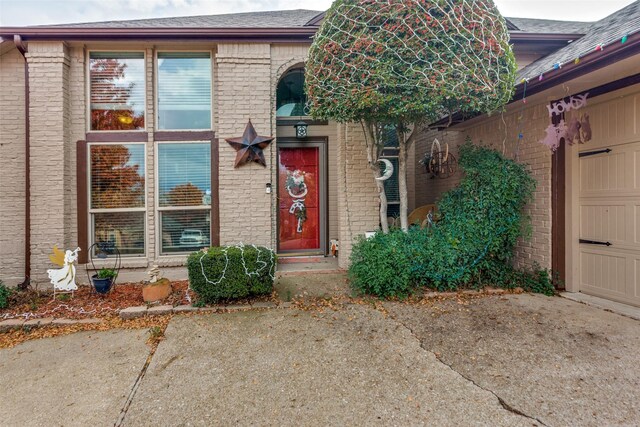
(516, 360)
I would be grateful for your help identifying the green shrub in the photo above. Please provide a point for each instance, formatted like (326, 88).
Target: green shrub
(382, 265)
(481, 220)
(5, 292)
(231, 272)
(501, 275)
(472, 245)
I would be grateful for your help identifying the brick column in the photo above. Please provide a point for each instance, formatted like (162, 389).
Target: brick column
(12, 171)
(244, 92)
(358, 202)
(49, 114)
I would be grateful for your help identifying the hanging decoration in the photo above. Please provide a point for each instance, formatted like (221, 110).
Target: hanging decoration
(554, 135)
(585, 128)
(577, 130)
(388, 170)
(297, 190)
(439, 163)
(249, 146)
(63, 279)
(575, 102)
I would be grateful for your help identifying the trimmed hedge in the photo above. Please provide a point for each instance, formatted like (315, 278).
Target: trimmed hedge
(231, 272)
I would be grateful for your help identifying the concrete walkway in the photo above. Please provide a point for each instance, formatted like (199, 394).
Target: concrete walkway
(82, 379)
(558, 361)
(516, 360)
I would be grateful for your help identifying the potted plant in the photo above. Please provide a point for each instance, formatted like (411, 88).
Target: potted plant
(103, 280)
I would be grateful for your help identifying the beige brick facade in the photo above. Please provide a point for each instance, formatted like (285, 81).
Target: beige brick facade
(243, 93)
(12, 166)
(357, 196)
(49, 65)
(245, 76)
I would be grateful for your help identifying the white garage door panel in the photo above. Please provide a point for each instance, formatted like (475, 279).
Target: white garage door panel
(605, 172)
(609, 211)
(606, 272)
(604, 221)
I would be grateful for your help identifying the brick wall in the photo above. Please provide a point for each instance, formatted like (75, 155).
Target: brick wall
(12, 169)
(243, 93)
(245, 78)
(357, 193)
(77, 125)
(501, 132)
(49, 64)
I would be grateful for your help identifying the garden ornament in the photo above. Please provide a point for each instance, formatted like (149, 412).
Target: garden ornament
(154, 273)
(63, 279)
(439, 163)
(388, 170)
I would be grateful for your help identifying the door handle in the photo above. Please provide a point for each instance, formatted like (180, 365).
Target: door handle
(595, 242)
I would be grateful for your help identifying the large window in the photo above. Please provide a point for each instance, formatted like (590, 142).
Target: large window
(290, 97)
(117, 91)
(117, 197)
(184, 90)
(184, 196)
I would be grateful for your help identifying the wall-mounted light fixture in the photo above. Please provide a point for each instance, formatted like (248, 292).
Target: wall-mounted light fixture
(301, 129)
(268, 188)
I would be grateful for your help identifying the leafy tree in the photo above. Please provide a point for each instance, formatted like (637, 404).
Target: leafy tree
(407, 64)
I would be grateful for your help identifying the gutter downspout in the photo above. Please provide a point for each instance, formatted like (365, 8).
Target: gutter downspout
(17, 40)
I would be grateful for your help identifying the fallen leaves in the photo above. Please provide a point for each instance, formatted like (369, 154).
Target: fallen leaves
(17, 336)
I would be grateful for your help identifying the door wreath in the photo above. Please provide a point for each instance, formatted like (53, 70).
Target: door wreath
(298, 190)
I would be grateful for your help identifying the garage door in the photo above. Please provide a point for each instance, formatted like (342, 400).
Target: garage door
(609, 212)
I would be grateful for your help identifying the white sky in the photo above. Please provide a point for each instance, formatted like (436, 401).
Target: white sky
(38, 12)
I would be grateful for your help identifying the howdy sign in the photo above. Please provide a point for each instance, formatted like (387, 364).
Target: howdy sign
(575, 102)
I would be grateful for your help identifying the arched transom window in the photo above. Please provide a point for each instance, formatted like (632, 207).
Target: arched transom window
(290, 96)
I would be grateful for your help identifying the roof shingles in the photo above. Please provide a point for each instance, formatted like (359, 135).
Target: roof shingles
(626, 21)
(270, 19)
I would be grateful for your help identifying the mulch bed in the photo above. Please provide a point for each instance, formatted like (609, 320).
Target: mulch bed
(85, 303)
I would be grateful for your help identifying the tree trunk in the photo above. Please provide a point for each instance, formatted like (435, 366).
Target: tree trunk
(371, 137)
(402, 181)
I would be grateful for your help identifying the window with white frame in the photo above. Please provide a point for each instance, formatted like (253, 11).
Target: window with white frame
(184, 90)
(184, 196)
(117, 197)
(117, 90)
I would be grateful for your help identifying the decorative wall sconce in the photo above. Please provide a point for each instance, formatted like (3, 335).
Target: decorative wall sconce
(301, 129)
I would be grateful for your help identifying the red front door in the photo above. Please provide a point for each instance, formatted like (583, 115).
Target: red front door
(300, 198)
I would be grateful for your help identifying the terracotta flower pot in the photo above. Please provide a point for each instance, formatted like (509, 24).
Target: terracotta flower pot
(158, 291)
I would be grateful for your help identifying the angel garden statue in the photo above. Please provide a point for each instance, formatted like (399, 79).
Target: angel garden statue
(63, 279)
